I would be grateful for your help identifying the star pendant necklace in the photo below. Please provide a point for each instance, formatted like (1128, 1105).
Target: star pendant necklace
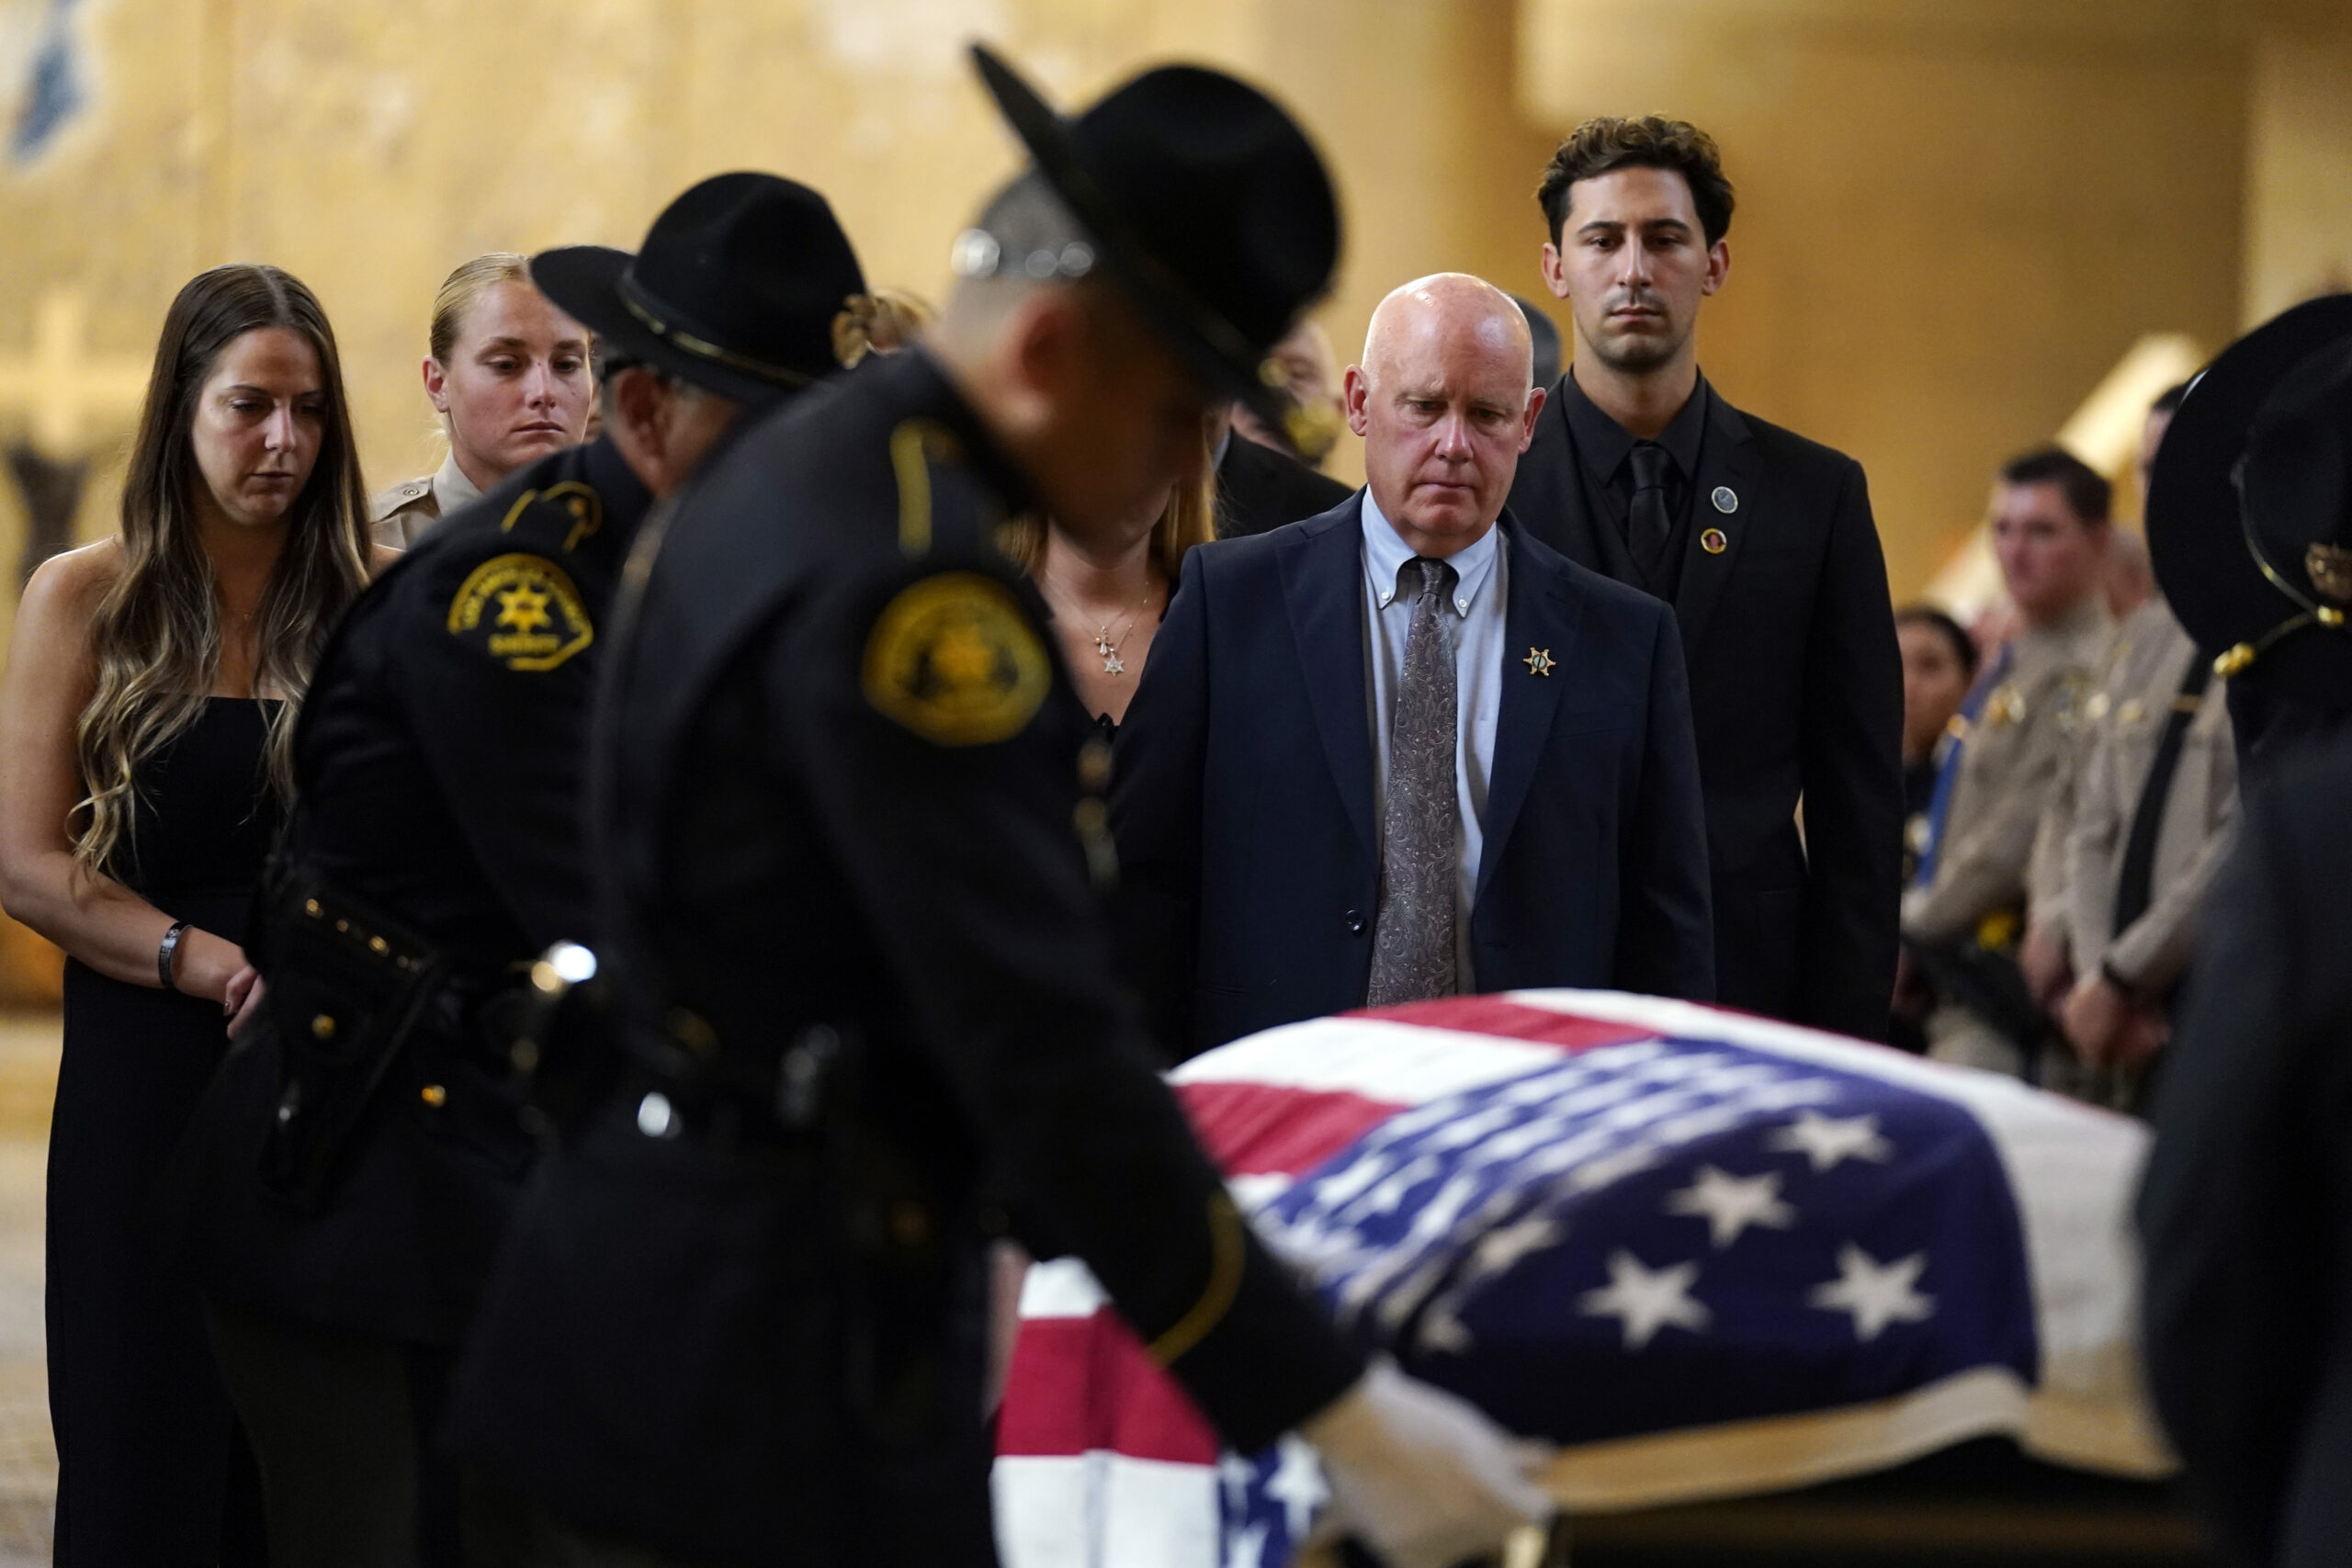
(1106, 648)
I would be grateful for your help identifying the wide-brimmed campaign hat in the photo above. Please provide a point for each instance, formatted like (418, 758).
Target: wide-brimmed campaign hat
(1203, 199)
(735, 288)
(2250, 507)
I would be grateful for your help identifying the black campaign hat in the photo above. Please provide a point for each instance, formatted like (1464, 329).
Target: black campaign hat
(1203, 200)
(2249, 510)
(736, 288)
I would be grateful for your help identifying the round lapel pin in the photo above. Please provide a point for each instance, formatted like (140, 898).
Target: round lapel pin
(1726, 499)
(1713, 542)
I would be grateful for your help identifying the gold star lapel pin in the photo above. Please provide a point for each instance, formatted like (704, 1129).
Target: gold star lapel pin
(1537, 661)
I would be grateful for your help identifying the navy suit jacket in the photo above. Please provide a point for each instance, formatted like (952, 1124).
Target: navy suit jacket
(1243, 784)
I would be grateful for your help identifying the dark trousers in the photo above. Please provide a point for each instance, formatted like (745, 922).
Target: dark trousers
(345, 1429)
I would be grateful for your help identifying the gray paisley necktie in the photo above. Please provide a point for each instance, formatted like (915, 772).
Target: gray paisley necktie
(1412, 950)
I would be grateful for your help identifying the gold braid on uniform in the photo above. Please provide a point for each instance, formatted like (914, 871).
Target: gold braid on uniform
(1228, 1254)
(2329, 567)
(881, 323)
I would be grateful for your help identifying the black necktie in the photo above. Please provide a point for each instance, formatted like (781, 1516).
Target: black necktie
(1648, 529)
(2135, 884)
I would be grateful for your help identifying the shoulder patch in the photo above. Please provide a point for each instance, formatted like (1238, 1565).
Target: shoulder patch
(522, 611)
(952, 658)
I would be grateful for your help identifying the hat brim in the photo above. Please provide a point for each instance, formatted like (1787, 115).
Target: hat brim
(584, 282)
(1231, 369)
(2195, 538)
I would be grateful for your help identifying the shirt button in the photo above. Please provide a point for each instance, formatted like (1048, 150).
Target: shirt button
(1463, 605)
(1354, 922)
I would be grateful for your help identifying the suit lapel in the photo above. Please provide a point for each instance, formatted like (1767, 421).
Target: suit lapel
(1727, 463)
(1322, 571)
(1542, 612)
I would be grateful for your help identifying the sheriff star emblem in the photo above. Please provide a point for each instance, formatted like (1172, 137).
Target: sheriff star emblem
(1537, 661)
(523, 611)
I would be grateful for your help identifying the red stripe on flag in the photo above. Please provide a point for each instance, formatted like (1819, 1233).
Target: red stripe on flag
(1082, 1383)
(1512, 1020)
(1251, 1129)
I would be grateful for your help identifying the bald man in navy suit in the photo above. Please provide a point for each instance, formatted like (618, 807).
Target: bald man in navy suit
(1404, 750)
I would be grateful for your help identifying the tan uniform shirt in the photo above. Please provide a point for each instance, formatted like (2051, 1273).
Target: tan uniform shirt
(2013, 763)
(2123, 723)
(403, 513)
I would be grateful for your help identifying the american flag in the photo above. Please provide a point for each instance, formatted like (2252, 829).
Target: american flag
(1703, 1254)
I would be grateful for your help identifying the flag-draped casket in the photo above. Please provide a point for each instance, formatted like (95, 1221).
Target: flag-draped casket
(1702, 1254)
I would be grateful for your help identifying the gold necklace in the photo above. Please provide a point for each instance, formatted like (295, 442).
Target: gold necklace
(1104, 648)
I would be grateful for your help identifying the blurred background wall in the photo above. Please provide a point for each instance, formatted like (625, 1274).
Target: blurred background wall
(1955, 219)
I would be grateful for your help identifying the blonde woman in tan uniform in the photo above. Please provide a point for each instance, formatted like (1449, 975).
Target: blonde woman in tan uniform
(509, 376)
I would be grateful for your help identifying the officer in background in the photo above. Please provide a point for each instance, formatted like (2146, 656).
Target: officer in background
(2124, 862)
(855, 840)
(509, 374)
(1964, 914)
(2245, 1215)
(363, 1151)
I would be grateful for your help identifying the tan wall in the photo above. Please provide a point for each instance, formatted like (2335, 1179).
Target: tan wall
(1953, 220)
(1949, 228)
(2299, 182)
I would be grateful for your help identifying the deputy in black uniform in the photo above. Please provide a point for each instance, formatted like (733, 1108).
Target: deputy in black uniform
(364, 1149)
(2246, 1215)
(854, 837)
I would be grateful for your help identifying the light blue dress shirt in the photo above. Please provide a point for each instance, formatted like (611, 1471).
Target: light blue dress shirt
(1474, 626)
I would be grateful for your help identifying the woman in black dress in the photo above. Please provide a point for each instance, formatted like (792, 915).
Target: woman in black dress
(144, 728)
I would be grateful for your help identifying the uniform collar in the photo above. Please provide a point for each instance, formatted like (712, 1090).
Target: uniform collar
(1386, 552)
(1604, 442)
(451, 489)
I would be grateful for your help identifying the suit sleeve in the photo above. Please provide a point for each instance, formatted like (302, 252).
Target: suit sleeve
(1852, 762)
(963, 840)
(1666, 944)
(506, 746)
(1155, 815)
(2235, 1221)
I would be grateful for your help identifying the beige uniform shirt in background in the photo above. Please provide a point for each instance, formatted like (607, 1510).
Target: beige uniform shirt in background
(2009, 771)
(2121, 726)
(402, 514)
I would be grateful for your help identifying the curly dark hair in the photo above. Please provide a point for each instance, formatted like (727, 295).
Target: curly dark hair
(1610, 142)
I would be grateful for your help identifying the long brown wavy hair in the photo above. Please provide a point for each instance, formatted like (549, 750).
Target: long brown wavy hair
(157, 634)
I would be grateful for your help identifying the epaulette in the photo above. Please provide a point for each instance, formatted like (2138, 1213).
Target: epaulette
(385, 502)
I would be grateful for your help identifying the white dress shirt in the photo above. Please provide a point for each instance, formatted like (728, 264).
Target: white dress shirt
(1474, 626)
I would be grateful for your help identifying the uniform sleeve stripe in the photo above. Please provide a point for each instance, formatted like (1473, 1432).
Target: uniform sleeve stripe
(1228, 1253)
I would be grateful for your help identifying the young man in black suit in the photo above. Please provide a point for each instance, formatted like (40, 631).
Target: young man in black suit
(1763, 543)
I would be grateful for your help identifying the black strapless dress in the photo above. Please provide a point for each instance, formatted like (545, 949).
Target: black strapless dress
(150, 1470)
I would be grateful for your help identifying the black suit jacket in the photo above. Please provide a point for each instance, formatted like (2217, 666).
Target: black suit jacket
(1243, 786)
(1797, 691)
(1259, 488)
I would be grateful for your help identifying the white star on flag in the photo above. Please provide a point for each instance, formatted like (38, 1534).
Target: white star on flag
(1499, 1249)
(1298, 1485)
(1645, 1300)
(1828, 1140)
(1731, 1203)
(1876, 1293)
(1248, 1549)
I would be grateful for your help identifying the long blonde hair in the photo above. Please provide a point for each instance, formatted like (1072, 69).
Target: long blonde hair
(157, 635)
